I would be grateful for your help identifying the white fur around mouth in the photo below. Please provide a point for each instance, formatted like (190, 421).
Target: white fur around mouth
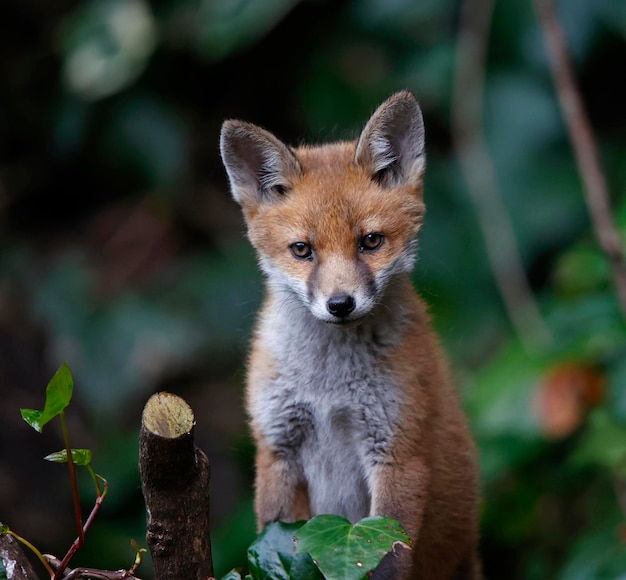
(346, 322)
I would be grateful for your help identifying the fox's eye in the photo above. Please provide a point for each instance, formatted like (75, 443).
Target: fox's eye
(371, 242)
(301, 250)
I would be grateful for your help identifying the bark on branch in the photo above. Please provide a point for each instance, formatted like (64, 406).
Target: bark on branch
(15, 562)
(585, 150)
(480, 175)
(175, 484)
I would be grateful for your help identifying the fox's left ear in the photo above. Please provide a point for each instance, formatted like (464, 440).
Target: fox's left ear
(391, 146)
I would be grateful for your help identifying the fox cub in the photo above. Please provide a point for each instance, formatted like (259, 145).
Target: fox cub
(350, 400)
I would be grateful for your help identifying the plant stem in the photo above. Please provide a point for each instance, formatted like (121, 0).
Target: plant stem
(33, 549)
(94, 478)
(78, 542)
(75, 498)
(73, 480)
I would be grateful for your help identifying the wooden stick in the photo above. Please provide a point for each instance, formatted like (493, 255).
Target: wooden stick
(175, 483)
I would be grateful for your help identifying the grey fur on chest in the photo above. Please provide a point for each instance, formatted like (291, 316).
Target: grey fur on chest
(330, 411)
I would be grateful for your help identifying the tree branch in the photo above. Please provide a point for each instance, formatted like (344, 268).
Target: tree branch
(585, 150)
(175, 484)
(480, 174)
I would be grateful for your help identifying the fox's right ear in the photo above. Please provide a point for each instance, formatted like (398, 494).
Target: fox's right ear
(391, 146)
(260, 167)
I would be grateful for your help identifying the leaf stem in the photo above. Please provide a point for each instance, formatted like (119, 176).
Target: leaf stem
(94, 478)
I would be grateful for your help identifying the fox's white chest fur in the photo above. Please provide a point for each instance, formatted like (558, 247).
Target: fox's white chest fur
(332, 408)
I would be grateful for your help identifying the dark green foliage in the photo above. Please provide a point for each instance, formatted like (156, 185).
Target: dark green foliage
(326, 546)
(273, 555)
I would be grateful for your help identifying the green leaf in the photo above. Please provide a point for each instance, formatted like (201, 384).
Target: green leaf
(58, 396)
(603, 443)
(272, 556)
(3, 571)
(343, 551)
(33, 418)
(4, 530)
(79, 456)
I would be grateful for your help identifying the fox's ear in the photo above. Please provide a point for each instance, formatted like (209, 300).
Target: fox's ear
(391, 146)
(260, 167)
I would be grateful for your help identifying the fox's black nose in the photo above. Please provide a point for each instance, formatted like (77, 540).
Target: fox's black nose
(340, 305)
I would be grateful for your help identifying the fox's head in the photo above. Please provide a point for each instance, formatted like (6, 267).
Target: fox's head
(334, 224)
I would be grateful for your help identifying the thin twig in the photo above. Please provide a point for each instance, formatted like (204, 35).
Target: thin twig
(76, 573)
(480, 174)
(585, 149)
(78, 542)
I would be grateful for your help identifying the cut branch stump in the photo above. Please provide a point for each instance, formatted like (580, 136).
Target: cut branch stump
(175, 484)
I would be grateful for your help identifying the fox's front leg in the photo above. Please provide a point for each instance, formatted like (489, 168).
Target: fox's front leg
(399, 491)
(280, 494)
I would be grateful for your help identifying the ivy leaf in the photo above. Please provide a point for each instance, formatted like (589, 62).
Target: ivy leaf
(273, 555)
(344, 551)
(58, 396)
(79, 456)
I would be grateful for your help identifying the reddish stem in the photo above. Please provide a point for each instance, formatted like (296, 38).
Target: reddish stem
(79, 541)
(73, 480)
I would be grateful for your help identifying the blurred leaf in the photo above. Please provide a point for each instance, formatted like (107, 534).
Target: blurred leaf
(581, 270)
(79, 456)
(565, 395)
(429, 73)
(155, 330)
(58, 397)
(616, 396)
(3, 570)
(224, 26)
(588, 327)
(420, 18)
(598, 553)
(106, 45)
(500, 396)
(341, 549)
(521, 117)
(149, 135)
(603, 443)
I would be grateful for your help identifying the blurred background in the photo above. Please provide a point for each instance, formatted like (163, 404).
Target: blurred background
(122, 253)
